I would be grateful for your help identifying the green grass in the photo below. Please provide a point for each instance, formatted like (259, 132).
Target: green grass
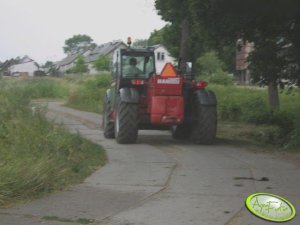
(37, 156)
(89, 93)
(43, 87)
(249, 107)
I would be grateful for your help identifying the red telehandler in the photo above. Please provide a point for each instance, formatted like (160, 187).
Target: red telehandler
(141, 99)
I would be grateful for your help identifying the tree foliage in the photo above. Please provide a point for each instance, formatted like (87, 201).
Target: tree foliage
(78, 43)
(102, 63)
(210, 64)
(168, 36)
(212, 69)
(140, 43)
(48, 64)
(272, 25)
(80, 67)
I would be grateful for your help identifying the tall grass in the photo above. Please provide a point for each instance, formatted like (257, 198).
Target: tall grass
(249, 105)
(37, 156)
(43, 87)
(89, 93)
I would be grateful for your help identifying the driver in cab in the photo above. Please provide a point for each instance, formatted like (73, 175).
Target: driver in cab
(132, 69)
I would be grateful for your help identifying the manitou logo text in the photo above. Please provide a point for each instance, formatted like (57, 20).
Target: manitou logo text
(169, 81)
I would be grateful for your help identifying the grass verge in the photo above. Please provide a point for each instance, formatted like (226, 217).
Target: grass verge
(247, 108)
(89, 94)
(37, 156)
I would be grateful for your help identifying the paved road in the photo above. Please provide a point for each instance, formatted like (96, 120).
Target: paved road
(160, 181)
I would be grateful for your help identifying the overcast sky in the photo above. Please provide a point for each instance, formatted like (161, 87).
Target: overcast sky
(38, 28)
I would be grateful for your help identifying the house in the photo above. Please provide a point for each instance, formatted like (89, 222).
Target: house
(162, 56)
(67, 63)
(242, 74)
(89, 56)
(4, 68)
(106, 49)
(19, 66)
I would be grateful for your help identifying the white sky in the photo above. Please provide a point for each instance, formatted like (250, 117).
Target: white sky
(38, 28)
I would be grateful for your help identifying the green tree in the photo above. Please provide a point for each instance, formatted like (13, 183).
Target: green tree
(213, 24)
(183, 15)
(212, 69)
(169, 36)
(156, 37)
(140, 43)
(209, 64)
(272, 30)
(48, 64)
(80, 66)
(78, 43)
(193, 39)
(102, 63)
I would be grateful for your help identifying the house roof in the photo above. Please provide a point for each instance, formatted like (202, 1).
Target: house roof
(25, 59)
(16, 61)
(67, 60)
(157, 46)
(103, 49)
(91, 55)
(5, 65)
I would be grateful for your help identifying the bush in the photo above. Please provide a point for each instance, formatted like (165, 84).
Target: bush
(209, 64)
(80, 66)
(211, 69)
(240, 104)
(102, 63)
(255, 110)
(220, 78)
(250, 106)
(39, 73)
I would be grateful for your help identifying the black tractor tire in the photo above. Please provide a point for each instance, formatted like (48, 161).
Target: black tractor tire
(204, 127)
(108, 126)
(126, 124)
(181, 131)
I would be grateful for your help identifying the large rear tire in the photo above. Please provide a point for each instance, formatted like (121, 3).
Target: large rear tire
(126, 125)
(108, 126)
(204, 127)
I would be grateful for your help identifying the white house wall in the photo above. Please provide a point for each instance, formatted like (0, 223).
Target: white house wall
(161, 63)
(28, 67)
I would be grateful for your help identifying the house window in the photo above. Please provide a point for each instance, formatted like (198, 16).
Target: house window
(160, 56)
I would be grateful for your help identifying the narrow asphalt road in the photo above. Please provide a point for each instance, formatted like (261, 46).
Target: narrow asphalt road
(160, 181)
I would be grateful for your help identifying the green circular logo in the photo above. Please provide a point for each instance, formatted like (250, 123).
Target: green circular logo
(270, 207)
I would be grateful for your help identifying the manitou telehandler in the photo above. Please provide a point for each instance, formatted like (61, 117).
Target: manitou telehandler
(141, 99)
